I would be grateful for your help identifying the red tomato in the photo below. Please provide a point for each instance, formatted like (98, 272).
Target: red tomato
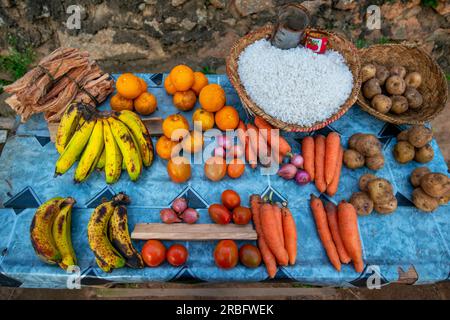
(153, 253)
(231, 199)
(226, 254)
(250, 256)
(241, 215)
(177, 255)
(219, 214)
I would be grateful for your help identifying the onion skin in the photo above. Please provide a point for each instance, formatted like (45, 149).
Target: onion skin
(297, 161)
(224, 142)
(190, 216)
(219, 152)
(179, 205)
(169, 216)
(302, 177)
(287, 171)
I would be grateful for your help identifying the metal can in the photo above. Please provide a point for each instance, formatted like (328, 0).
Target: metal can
(289, 31)
(316, 42)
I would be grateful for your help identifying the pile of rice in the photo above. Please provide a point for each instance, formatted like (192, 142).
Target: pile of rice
(297, 85)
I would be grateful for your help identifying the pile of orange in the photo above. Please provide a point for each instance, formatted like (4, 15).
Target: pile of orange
(132, 95)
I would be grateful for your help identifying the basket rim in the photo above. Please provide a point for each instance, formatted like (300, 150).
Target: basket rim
(254, 108)
(392, 118)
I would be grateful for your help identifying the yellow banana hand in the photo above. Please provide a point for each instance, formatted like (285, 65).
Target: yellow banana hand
(62, 234)
(113, 156)
(101, 161)
(67, 126)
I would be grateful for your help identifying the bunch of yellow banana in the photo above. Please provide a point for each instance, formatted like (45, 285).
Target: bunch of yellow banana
(50, 232)
(109, 237)
(108, 141)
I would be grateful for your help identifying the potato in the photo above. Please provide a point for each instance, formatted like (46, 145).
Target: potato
(375, 162)
(395, 85)
(435, 184)
(353, 159)
(417, 174)
(368, 72)
(398, 71)
(413, 79)
(368, 145)
(404, 152)
(424, 154)
(381, 103)
(382, 74)
(371, 88)
(399, 104)
(362, 203)
(379, 190)
(403, 136)
(387, 207)
(419, 136)
(444, 199)
(364, 181)
(353, 139)
(415, 99)
(423, 201)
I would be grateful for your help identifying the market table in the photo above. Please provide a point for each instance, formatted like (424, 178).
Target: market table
(404, 239)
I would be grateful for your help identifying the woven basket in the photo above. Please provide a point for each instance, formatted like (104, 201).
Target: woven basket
(434, 84)
(335, 42)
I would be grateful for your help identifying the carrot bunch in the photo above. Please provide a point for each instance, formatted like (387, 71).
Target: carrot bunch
(277, 234)
(323, 158)
(338, 231)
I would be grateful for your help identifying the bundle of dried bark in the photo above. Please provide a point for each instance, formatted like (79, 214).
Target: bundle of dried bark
(64, 76)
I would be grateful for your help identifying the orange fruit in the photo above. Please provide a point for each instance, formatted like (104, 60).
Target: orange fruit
(179, 169)
(204, 117)
(212, 97)
(227, 118)
(215, 168)
(193, 142)
(164, 147)
(128, 86)
(143, 85)
(182, 77)
(175, 122)
(119, 103)
(184, 100)
(235, 168)
(145, 104)
(168, 85)
(200, 81)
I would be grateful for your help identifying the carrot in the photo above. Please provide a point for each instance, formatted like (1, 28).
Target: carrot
(250, 155)
(283, 146)
(331, 210)
(265, 139)
(271, 236)
(333, 187)
(332, 146)
(267, 256)
(324, 232)
(290, 234)
(348, 229)
(252, 134)
(319, 160)
(279, 221)
(308, 155)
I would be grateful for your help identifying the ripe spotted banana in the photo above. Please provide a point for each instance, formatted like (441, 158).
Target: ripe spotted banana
(91, 153)
(101, 161)
(103, 266)
(75, 147)
(128, 147)
(98, 237)
(113, 155)
(62, 234)
(68, 126)
(140, 133)
(120, 238)
(41, 231)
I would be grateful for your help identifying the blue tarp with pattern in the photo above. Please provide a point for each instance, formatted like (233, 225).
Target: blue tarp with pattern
(390, 243)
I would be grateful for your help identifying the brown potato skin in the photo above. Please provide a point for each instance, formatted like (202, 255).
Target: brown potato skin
(353, 139)
(364, 181)
(371, 88)
(413, 79)
(368, 72)
(399, 104)
(417, 174)
(435, 184)
(376, 162)
(395, 85)
(353, 159)
(362, 203)
(403, 136)
(423, 201)
(415, 99)
(387, 207)
(404, 152)
(368, 145)
(419, 136)
(444, 199)
(379, 190)
(398, 71)
(381, 103)
(424, 154)
(382, 74)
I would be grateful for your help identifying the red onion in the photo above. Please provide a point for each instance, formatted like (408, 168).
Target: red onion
(302, 177)
(169, 216)
(236, 152)
(219, 152)
(190, 215)
(287, 171)
(179, 205)
(224, 142)
(297, 161)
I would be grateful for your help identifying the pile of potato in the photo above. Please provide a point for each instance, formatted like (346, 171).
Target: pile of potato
(414, 144)
(431, 189)
(376, 194)
(364, 149)
(391, 90)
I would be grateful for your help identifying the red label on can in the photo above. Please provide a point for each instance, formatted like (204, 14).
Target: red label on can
(317, 44)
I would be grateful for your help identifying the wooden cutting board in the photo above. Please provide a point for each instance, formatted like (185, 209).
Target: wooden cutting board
(193, 232)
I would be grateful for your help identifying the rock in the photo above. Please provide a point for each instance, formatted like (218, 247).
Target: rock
(230, 22)
(3, 136)
(8, 123)
(247, 7)
(141, 7)
(395, 10)
(443, 7)
(5, 110)
(188, 24)
(221, 46)
(171, 20)
(218, 4)
(177, 3)
(345, 5)
(314, 5)
(202, 16)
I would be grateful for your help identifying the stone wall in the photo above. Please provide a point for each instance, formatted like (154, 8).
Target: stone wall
(153, 35)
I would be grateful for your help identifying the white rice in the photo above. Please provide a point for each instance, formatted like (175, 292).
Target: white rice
(297, 85)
